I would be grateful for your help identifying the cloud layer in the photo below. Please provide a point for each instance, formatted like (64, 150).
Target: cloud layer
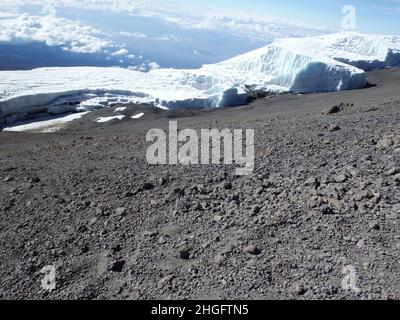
(142, 35)
(53, 31)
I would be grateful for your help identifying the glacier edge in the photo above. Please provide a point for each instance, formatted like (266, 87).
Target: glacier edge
(301, 65)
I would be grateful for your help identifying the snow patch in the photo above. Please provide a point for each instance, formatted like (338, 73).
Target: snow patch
(120, 109)
(137, 116)
(106, 119)
(44, 126)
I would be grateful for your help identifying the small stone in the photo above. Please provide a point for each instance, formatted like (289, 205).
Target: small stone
(326, 210)
(384, 143)
(298, 289)
(85, 203)
(366, 158)
(128, 194)
(147, 186)
(391, 172)
(117, 266)
(334, 127)
(7, 179)
(340, 178)
(256, 210)
(184, 254)
(227, 249)
(161, 240)
(251, 249)
(166, 280)
(374, 225)
(35, 180)
(9, 169)
(219, 258)
(163, 181)
(179, 191)
(217, 218)
(198, 207)
(120, 211)
(82, 228)
(116, 248)
(360, 244)
(312, 182)
(235, 197)
(150, 234)
(331, 110)
(84, 248)
(377, 197)
(227, 186)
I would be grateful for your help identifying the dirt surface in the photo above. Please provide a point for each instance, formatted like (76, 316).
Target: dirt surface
(323, 201)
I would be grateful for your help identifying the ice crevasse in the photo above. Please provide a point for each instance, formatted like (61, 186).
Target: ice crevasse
(301, 65)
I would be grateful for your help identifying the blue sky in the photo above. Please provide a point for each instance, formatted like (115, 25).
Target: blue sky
(373, 16)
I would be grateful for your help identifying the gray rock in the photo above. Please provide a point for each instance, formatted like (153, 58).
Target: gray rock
(217, 218)
(391, 172)
(384, 143)
(179, 191)
(120, 211)
(184, 254)
(147, 186)
(312, 182)
(35, 180)
(298, 289)
(374, 225)
(219, 258)
(166, 280)
(327, 210)
(334, 127)
(117, 266)
(396, 208)
(332, 110)
(252, 249)
(340, 178)
(227, 186)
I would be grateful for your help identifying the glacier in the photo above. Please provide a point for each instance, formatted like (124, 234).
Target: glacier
(325, 63)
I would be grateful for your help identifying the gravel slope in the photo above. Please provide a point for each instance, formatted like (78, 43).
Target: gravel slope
(324, 195)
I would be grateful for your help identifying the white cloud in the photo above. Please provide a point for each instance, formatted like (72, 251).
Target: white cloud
(153, 65)
(120, 52)
(133, 34)
(187, 16)
(53, 31)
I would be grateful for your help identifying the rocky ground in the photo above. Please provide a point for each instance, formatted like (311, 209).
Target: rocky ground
(324, 195)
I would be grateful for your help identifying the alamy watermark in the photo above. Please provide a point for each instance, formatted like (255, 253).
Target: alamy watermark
(49, 279)
(349, 20)
(349, 281)
(186, 147)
